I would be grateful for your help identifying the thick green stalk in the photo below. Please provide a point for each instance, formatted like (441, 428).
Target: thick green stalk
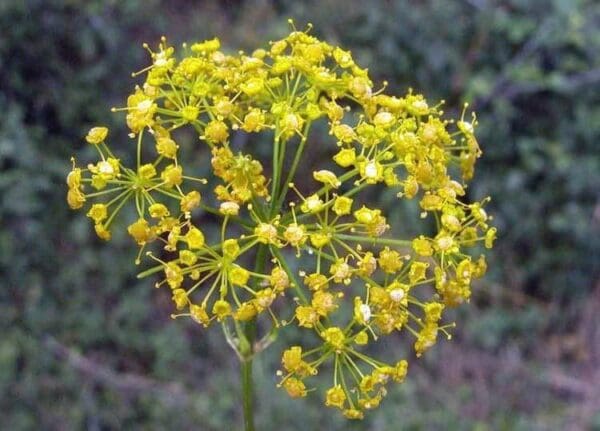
(247, 381)
(247, 352)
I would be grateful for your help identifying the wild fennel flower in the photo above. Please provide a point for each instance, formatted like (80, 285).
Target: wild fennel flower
(347, 250)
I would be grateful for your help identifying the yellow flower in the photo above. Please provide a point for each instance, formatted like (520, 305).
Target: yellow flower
(98, 213)
(411, 187)
(278, 47)
(221, 309)
(292, 359)
(74, 178)
(264, 298)
(334, 111)
(341, 271)
(362, 311)
(490, 237)
(266, 233)
(360, 87)
(199, 314)
(166, 147)
(190, 113)
(316, 281)
(431, 202)
(313, 111)
(194, 238)
(445, 243)
(398, 292)
(245, 312)
(216, 132)
(327, 177)
(417, 105)
(323, 302)
(390, 261)
(231, 248)
(367, 384)
(295, 234)
(96, 135)
(478, 213)
(335, 397)
(106, 169)
(480, 267)
(254, 121)
(417, 271)
(390, 178)
(366, 215)
(343, 58)
(253, 86)
(361, 338)
(147, 171)
(400, 370)
(468, 236)
(371, 171)
(378, 226)
(229, 208)
(451, 222)
(353, 414)
(102, 232)
(427, 338)
(172, 175)
(344, 133)
(335, 337)
(207, 46)
(320, 239)
(294, 387)
(345, 157)
(223, 106)
(384, 119)
(187, 257)
(342, 205)
(367, 264)
(190, 201)
(75, 198)
(238, 276)
(279, 279)
(433, 312)
(180, 298)
(370, 402)
(158, 211)
(141, 110)
(313, 204)
(307, 316)
(422, 246)
(140, 231)
(173, 275)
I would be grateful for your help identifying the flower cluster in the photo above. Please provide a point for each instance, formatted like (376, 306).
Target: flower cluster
(346, 249)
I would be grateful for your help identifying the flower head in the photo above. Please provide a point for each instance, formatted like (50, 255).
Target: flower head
(355, 280)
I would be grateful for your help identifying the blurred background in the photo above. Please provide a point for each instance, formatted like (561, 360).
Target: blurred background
(85, 345)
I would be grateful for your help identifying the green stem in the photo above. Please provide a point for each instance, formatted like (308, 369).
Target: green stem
(374, 240)
(276, 168)
(248, 384)
(139, 150)
(248, 335)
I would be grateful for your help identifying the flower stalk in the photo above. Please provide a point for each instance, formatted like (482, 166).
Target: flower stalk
(247, 380)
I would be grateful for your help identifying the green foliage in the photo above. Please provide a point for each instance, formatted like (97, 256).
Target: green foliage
(531, 69)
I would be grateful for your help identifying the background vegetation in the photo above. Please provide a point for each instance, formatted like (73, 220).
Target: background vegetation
(84, 345)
